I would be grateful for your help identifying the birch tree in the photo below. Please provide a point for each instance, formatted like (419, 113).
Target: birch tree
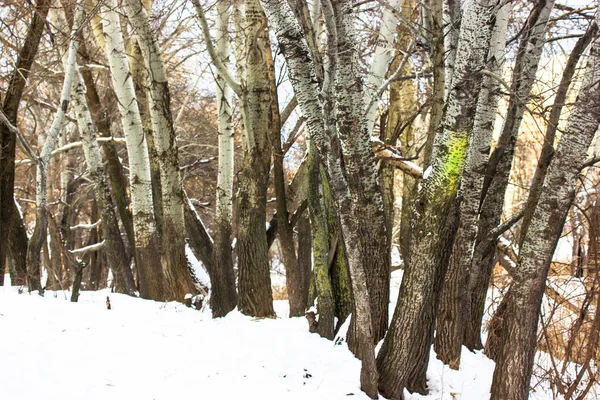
(151, 277)
(515, 362)
(38, 237)
(179, 279)
(403, 358)
(223, 296)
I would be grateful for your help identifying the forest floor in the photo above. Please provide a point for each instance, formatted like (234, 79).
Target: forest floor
(51, 348)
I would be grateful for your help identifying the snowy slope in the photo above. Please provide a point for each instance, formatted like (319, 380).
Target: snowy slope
(53, 349)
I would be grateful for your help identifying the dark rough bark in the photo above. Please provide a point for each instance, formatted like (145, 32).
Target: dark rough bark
(403, 358)
(254, 280)
(198, 238)
(255, 296)
(10, 108)
(320, 248)
(17, 248)
(223, 296)
(55, 266)
(515, 361)
(305, 252)
(499, 166)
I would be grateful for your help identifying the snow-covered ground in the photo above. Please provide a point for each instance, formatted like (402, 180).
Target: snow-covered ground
(53, 349)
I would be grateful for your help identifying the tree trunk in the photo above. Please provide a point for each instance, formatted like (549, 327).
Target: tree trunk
(41, 222)
(223, 296)
(151, 279)
(499, 166)
(451, 317)
(254, 280)
(17, 247)
(403, 358)
(515, 361)
(361, 171)
(323, 134)
(8, 215)
(320, 247)
(179, 279)
(285, 232)
(435, 34)
(114, 248)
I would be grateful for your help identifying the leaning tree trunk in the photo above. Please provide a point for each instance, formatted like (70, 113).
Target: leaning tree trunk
(499, 166)
(451, 317)
(9, 216)
(361, 170)
(223, 297)
(323, 134)
(151, 279)
(41, 221)
(285, 232)
(179, 278)
(515, 362)
(451, 18)
(114, 248)
(403, 358)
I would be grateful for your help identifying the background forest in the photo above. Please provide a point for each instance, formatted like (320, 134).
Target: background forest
(415, 179)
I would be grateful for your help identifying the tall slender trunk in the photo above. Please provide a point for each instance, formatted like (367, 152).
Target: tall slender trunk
(451, 317)
(499, 166)
(151, 277)
(17, 247)
(114, 248)
(403, 106)
(223, 296)
(41, 222)
(254, 281)
(515, 362)
(179, 278)
(9, 217)
(403, 358)
(433, 19)
(285, 231)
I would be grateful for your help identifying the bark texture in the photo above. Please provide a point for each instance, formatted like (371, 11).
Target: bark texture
(179, 279)
(403, 358)
(499, 166)
(223, 297)
(451, 317)
(151, 278)
(515, 362)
